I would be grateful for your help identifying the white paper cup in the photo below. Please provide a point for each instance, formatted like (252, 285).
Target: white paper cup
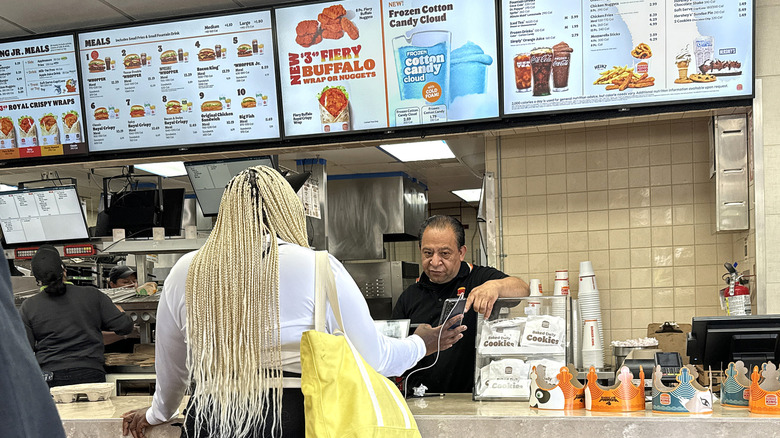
(561, 287)
(562, 274)
(586, 268)
(158, 233)
(588, 284)
(591, 340)
(191, 232)
(536, 287)
(118, 234)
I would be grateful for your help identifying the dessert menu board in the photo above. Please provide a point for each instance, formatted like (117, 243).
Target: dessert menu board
(364, 64)
(582, 54)
(199, 81)
(40, 104)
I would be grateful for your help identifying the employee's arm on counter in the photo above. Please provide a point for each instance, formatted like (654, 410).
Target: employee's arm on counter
(482, 297)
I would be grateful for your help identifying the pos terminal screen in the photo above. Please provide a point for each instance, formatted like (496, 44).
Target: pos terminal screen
(42, 215)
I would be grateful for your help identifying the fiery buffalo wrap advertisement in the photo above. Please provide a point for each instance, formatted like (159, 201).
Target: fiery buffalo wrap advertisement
(574, 54)
(386, 64)
(40, 103)
(169, 85)
(332, 67)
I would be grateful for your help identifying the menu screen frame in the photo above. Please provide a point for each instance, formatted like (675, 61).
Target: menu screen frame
(47, 238)
(192, 147)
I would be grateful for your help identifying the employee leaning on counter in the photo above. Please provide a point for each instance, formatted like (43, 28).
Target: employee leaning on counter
(64, 323)
(443, 248)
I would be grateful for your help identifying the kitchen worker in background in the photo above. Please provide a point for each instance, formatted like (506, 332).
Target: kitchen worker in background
(232, 316)
(64, 323)
(443, 248)
(27, 407)
(125, 276)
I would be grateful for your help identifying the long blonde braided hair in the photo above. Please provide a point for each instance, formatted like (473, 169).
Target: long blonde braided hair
(232, 297)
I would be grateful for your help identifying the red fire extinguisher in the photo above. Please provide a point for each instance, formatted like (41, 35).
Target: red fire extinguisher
(735, 298)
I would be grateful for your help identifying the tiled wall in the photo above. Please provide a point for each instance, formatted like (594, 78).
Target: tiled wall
(636, 200)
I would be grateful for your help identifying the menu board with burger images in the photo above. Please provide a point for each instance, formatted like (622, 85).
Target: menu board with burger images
(40, 104)
(440, 58)
(332, 68)
(191, 82)
(602, 53)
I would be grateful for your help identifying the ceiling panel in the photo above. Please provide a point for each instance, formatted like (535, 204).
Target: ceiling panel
(57, 15)
(9, 30)
(150, 9)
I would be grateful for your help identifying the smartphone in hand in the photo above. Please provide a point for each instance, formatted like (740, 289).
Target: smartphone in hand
(452, 307)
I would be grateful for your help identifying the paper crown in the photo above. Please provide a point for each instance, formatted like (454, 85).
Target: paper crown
(623, 396)
(687, 397)
(735, 391)
(765, 394)
(567, 394)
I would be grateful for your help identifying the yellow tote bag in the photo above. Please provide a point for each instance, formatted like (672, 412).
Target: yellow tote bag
(343, 396)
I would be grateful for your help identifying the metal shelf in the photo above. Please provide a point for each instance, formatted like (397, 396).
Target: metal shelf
(149, 246)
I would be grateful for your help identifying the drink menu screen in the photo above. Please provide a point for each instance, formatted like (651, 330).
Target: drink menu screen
(199, 81)
(573, 54)
(364, 64)
(42, 215)
(40, 104)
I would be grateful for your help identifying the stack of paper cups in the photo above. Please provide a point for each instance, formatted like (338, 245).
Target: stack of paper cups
(561, 289)
(590, 302)
(534, 306)
(592, 352)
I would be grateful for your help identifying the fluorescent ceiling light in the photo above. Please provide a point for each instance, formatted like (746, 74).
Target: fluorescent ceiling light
(419, 151)
(169, 169)
(468, 195)
(7, 188)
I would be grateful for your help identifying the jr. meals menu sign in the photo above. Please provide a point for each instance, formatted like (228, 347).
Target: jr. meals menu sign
(365, 64)
(40, 104)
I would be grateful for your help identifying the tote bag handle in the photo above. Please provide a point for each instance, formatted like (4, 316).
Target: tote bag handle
(325, 291)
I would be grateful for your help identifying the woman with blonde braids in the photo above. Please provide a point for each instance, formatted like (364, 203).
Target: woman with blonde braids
(231, 316)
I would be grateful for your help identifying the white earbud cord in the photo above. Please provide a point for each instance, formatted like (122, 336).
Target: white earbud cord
(438, 348)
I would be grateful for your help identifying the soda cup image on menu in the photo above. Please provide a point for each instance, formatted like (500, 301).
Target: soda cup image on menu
(422, 61)
(541, 67)
(522, 65)
(560, 67)
(334, 108)
(7, 133)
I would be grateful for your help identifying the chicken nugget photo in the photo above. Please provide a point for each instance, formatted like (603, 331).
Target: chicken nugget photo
(305, 40)
(331, 35)
(334, 12)
(307, 27)
(327, 21)
(350, 28)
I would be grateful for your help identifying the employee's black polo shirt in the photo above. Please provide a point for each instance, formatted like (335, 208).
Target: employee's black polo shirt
(422, 302)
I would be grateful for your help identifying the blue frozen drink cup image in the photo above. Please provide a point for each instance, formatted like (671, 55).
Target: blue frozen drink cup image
(422, 62)
(468, 63)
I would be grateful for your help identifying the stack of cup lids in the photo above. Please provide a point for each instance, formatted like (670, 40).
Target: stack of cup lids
(590, 307)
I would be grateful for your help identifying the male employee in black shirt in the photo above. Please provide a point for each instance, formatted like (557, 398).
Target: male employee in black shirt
(446, 275)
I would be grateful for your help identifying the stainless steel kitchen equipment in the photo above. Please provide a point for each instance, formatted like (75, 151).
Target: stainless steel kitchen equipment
(382, 283)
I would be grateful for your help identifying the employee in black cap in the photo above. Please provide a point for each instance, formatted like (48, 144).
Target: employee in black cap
(64, 323)
(125, 276)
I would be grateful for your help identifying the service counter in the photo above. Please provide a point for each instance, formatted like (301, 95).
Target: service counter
(456, 415)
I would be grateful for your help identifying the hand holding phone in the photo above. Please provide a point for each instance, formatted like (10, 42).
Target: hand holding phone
(452, 307)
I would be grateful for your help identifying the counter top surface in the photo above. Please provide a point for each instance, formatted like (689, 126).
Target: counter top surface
(450, 405)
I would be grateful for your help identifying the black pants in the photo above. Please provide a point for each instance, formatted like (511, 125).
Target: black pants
(292, 423)
(74, 376)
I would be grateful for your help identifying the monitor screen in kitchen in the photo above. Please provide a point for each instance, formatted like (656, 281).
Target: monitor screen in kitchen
(209, 178)
(45, 215)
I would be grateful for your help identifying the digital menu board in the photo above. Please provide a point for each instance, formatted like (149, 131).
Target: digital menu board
(361, 64)
(191, 82)
(572, 54)
(40, 104)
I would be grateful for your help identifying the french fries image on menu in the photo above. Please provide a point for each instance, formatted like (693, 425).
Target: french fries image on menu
(622, 78)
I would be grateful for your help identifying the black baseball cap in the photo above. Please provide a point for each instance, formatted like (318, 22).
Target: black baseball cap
(47, 264)
(118, 272)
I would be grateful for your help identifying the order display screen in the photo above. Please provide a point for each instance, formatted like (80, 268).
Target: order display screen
(42, 215)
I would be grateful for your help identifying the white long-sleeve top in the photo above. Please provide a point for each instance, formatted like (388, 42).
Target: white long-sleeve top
(388, 356)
